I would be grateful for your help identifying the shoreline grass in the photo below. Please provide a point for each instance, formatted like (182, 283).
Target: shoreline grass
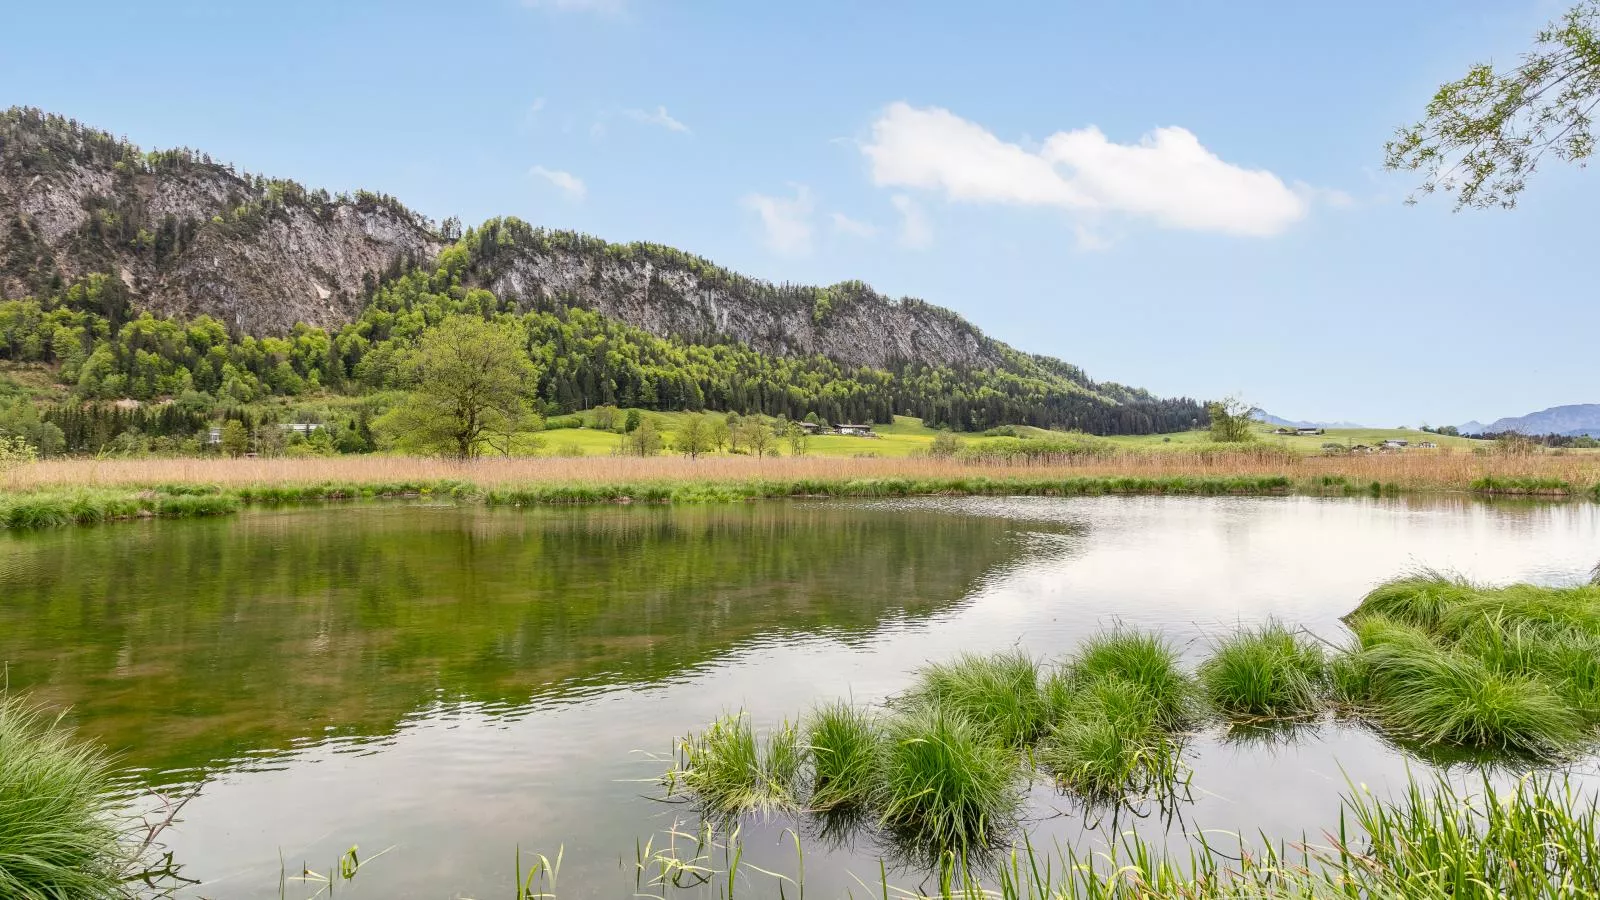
(1315, 474)
(54, 509)
(1267, 672)
(54, 493)
(59, 827)
(1443, 661)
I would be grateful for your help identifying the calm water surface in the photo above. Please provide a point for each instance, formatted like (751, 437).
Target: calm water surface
(457, 682)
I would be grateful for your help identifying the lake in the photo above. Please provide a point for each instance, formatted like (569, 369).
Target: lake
(456, 683)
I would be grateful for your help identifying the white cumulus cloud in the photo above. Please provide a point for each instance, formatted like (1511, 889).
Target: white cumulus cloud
(566, 182)
(786, 220)
(1167, 177)
(916, 232)
(658, 117)
(853, 227)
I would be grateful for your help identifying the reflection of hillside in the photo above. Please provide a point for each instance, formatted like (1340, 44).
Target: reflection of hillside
(185, 643)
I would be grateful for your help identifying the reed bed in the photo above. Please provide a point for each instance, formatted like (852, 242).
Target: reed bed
(43, 509)
(1396, 472)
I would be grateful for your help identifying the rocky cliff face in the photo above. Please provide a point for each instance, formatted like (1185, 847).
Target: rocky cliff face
(187, 235)
(190, 236)
(848, 322)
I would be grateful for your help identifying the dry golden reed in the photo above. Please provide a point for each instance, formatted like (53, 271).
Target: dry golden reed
(1400, 471)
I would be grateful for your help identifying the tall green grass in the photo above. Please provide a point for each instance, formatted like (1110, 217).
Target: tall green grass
(946, 785)
(60, 835)
(1265, 672)
(846, 756)
(998, 692)
(1525, 487)
(1109, 742)
(1143, 659)
(1539, 840)
(1442, 661)
(1434, 839)
(731, 772)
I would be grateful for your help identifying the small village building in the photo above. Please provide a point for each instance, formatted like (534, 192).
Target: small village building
(1395, 444)
(854, 430)
(1427, 445)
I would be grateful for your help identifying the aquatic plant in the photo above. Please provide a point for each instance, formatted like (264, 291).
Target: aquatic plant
(730, 772)
(1446, 606)
(60, 836)
(945, 786)
(998, 692)
(1264, 672)
(1143, 659)
(1441, 660)
(846, 752)
(1110, 742)
(1525, 486)
(1541, 839)
(1441, 697)
(1435, 838)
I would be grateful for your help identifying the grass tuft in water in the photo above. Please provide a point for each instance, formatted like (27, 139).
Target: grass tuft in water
(1144, 659)
(998, 692)
(1263, 673)
(846, 758)
(730, 772)
(945, 786)
(1440, 660)
(1440, 697)
(59, 831)
(1110, 743)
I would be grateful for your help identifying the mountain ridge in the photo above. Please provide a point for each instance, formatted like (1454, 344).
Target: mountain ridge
(183, 235)
(1570, 420)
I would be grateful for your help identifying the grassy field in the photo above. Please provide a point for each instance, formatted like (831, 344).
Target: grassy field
(908, 436)
(1308, 445)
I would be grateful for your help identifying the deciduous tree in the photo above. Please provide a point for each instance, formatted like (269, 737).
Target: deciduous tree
(1231, 420)
(470, 378)
(1485, 133)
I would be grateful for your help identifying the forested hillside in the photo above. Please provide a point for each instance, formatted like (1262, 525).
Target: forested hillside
(157, 276)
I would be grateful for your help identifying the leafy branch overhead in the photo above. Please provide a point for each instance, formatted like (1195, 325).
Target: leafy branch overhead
(1485, 133)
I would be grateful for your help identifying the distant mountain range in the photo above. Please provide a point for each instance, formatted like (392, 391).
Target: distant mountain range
(1270, 419)
(1571, 420)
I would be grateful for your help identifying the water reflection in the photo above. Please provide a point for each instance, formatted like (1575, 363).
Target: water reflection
(458, 683)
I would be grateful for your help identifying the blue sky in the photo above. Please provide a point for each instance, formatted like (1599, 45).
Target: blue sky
(1181, 196)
